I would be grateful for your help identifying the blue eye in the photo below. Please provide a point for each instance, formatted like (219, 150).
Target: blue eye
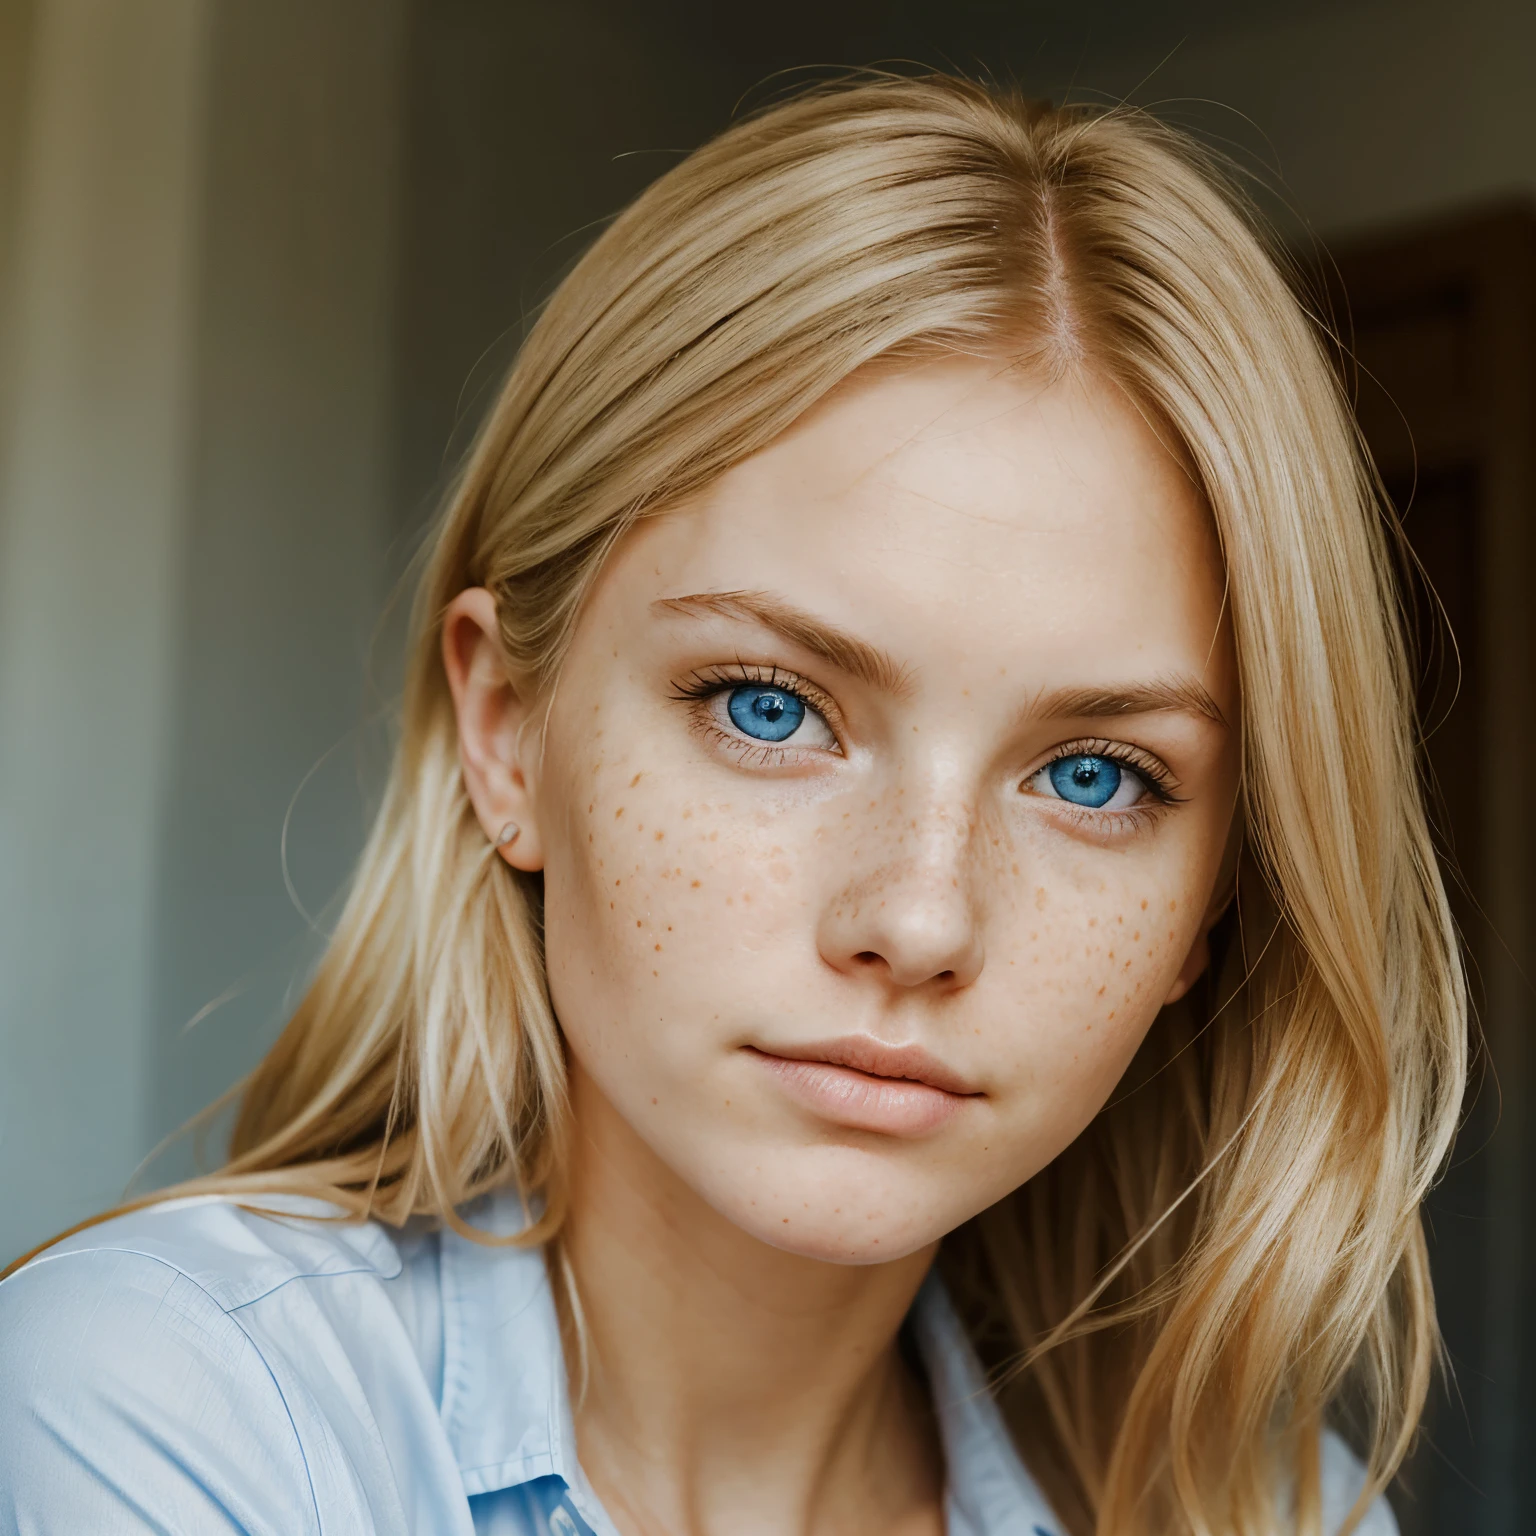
(1090, 781)
(766, 714)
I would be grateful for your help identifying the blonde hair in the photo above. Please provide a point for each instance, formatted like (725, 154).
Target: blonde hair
(1233, 1248)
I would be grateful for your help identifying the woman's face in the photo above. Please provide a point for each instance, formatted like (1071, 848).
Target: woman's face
(883, 801)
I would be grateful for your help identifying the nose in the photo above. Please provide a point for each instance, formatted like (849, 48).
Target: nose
(910, 914)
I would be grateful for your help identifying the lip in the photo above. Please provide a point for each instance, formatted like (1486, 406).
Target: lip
(865, 1084)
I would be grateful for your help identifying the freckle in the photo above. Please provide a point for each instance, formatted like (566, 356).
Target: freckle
(1111, 1015)
(658, 949)
(655, 973)
(1093, 922)
(637, 922)
(610, 906)
(653, 1101)
(1040, 898)
(1111, 954)
(729, 902)
(1143, 906)
(786, 1221)
(635, 780)
(591, 807)
(1173, 906)
(694, 886)
(618, 882)
(1126, 966)
(669, 927)
(1100, 992)
(660, 835)
(641, 827)
(618, 813)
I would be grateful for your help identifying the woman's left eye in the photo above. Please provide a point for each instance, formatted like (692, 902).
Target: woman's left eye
(1093, 782)
(774, 715)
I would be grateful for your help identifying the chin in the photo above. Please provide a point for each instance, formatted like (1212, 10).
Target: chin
(832, 1215)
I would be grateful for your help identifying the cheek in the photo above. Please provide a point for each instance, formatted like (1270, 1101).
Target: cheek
(659, 891)
(1094, 943)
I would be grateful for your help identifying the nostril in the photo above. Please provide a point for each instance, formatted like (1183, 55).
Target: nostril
(945, 976)
(866, 957)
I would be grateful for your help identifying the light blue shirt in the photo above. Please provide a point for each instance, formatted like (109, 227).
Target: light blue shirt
(195, 1368)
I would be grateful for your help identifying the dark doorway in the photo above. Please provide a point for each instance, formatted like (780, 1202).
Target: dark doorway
(1439, 338)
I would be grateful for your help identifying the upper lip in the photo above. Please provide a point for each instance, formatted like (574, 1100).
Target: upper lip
(866, 1054)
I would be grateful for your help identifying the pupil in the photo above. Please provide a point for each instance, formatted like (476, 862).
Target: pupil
(1086, 773)
(770, 706)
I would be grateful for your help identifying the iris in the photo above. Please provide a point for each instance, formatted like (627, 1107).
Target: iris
(1084, 780)
(765, 714)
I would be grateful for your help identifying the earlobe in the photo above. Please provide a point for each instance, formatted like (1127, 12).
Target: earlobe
(490, 711)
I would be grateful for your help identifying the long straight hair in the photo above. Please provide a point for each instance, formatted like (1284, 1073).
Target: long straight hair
(1231, 1253)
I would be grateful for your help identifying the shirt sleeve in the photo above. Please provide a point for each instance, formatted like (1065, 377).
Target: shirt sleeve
(131, 1403)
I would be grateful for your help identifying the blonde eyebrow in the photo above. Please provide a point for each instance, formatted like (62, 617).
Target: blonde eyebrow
(1171, 695)
(868, 663)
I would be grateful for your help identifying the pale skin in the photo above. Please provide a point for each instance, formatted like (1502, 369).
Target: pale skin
(965, 576)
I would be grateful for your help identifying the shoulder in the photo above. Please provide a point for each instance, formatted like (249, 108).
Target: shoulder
(177, 1355)
(1343, 1477)
(233, 1254)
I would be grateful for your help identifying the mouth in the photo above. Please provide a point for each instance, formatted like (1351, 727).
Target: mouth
(865, 1084)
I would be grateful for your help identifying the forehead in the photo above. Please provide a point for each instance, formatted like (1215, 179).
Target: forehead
(971, 511)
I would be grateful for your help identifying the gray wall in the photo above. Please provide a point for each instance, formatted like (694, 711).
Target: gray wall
(261, 264)
(202, 303)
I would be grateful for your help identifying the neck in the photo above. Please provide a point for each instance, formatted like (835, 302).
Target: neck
(733, 1387)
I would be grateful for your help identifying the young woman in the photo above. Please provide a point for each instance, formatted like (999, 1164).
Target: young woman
(901, 984)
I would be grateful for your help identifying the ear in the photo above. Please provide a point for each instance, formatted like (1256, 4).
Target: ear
(491, 712)
(1199, 956)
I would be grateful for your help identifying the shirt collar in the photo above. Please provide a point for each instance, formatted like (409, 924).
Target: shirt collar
(507, 1413)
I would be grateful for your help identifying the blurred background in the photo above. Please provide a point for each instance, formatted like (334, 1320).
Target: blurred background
(262, 264)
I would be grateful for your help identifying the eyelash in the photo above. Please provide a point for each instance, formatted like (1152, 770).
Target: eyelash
(1161, 784)
(707, 682)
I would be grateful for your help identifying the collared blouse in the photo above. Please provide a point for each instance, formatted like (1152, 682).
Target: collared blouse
(196, 1368)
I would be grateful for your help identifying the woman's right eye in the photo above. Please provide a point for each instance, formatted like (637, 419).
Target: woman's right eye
(773, 716)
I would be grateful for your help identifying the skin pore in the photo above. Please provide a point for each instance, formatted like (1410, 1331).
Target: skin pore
(882, 801)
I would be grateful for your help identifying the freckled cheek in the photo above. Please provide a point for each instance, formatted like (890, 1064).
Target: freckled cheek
(1095, 966)
(649, 892)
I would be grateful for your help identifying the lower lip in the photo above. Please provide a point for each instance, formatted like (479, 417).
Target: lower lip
(891, 1106)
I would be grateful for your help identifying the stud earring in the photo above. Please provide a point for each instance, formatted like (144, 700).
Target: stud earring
(509, 834)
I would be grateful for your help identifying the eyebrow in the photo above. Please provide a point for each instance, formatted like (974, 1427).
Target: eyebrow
(868, 663)
(1171, 695)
